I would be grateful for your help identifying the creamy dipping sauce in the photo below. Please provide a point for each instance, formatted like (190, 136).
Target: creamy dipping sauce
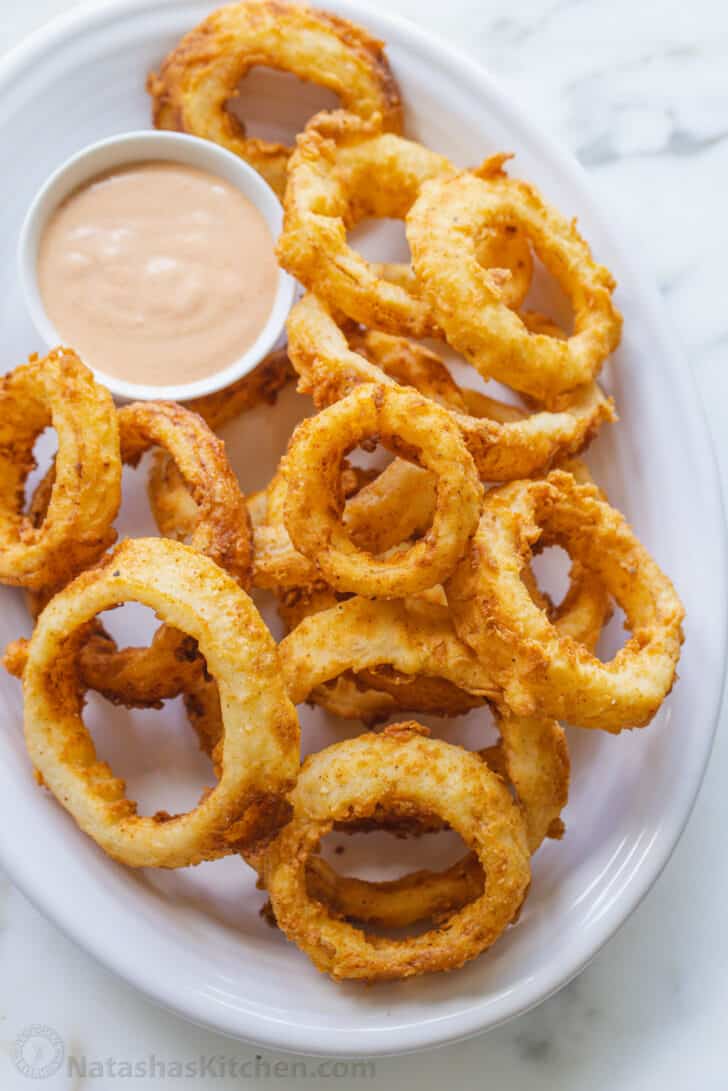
(158, 273)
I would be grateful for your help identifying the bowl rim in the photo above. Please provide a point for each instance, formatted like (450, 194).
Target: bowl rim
(139, 146)
(396, 1039)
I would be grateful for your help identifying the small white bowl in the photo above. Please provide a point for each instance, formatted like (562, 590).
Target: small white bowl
(135, 147)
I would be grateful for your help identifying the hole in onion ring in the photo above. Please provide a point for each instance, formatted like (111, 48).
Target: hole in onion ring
(548, 298)
(44, 450)
(370, 461)
(614, 636)
(135, 515)
(382, 855)
(275, 105)
(156, 752)
(382, 240)
(131, 623)
(551, 570)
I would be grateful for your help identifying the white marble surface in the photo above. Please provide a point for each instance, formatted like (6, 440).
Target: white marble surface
(640, 93)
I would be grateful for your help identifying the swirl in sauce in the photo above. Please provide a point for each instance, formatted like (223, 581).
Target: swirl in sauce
(158, 273)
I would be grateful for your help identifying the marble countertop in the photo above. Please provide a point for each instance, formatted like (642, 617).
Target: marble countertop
(639, 92)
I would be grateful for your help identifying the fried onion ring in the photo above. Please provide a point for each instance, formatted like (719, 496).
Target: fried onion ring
(505, 443)
(40, 552)
(398, 772)
(219, 527)
(536, 666)
(504, 251)
(417, 640)
(222, 529)
(193, 594)
(532, 755)
(342, 171)
(443, 226)
(411, 425)
(395, 506)
(378, 691)
(200, 77)
(144, 675)
(413, 636)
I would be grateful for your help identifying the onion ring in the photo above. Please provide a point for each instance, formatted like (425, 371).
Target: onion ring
(342, 171)
(412, 635)
(504, 251)
(417, 639)
(443, 226)
(147, 675)
(82, 504)
(398, 771)
(377, 691)
(415, 636)
(200, 76)
(532, 755)
(395, 506)
(409, 423)
(189, 592)
(220, 528)
(505, 443)
(537, 667)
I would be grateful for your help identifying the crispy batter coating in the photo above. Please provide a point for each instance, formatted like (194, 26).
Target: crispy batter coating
(505, 251)
(505, 443)
(399, 771)
(532, 754)
(219, 527)
(75, 528)
(342, 171)
(196, 82)
(443, 227)
(222, 528)
(537, 667)
(260, 744)
(408, 424)
(393, 507)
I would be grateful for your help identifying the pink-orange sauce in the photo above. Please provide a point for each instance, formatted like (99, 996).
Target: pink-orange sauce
(157, 273)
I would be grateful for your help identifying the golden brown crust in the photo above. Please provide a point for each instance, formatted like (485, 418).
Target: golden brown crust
(197, 79)
(506, 443)
(443, 227)
(343, 170)
(41, 551)
(536, 666)
(189, 592)
(398, 770)
(138, 676)
(410, 425)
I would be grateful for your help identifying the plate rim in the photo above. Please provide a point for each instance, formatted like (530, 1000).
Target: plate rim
(347, 1042)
